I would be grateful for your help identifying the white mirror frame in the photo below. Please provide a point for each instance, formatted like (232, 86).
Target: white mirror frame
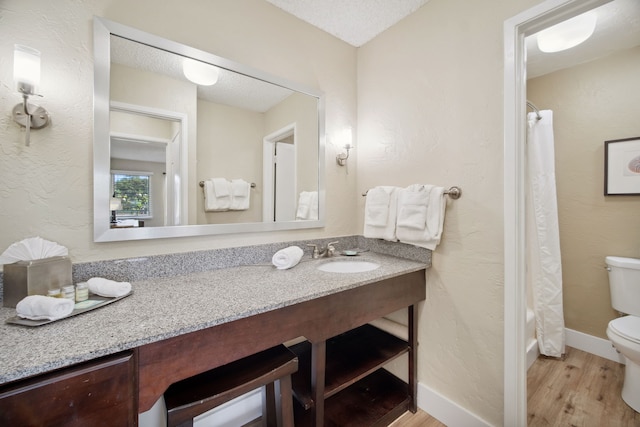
(516, 29)
(102, 31)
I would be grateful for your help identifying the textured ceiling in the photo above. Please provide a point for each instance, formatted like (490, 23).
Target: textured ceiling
(358, 21)
(353, 21)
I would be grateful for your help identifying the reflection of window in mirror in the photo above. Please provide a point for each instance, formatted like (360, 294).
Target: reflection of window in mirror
(134, 191)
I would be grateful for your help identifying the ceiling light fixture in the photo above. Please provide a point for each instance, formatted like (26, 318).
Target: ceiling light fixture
(567, 34)
(199, 72)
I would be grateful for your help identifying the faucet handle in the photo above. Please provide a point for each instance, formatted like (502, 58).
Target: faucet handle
(330, 248)
(315, 254)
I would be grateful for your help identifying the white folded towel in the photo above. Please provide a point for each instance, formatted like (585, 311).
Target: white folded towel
(313, 206)
(40, 307)
(108, 288)
(221, 187)
(412, 207)
(307, 205)
(287, 257)
(380, 213)
(214, 200)
(240, 195)
(421, 219)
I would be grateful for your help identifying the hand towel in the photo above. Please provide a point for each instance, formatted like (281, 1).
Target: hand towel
(380, 213)
(313, 206)
(307, 205)
(287, 257)
(213, 202)
(40, 307)
(417, 226)
(221, 187)
(240, 195)
(108, 288)
(412, 207)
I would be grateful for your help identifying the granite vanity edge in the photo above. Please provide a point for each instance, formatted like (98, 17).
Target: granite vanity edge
(169, 265)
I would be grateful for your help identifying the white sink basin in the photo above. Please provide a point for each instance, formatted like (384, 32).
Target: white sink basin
(348, 266)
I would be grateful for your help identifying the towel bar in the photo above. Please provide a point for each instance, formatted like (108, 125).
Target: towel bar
(453, 192)
(201, 184)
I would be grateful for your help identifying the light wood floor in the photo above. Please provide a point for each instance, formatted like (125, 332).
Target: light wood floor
(580, 390)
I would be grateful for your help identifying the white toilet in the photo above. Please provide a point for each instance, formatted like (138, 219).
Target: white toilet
(624, 332)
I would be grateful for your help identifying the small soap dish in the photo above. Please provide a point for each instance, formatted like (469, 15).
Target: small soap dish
(353, 252)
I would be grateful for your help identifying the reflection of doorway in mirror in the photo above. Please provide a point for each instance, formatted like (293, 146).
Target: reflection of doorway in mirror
(279, 175)
(148, 139)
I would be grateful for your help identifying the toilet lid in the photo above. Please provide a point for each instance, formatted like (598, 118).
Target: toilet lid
(627, 327)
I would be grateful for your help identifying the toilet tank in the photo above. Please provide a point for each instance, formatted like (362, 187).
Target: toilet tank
(624, 284)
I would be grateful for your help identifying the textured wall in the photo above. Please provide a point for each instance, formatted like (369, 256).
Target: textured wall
(430, 111)
(591, 103)
(46, 189)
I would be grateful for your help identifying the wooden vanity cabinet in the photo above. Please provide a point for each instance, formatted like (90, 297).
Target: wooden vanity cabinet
(358, 391)
(102, 392)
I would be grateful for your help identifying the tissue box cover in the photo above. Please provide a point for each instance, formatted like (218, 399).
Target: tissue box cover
(34, 277)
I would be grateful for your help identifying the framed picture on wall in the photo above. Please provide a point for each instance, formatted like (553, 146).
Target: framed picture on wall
(622, 167)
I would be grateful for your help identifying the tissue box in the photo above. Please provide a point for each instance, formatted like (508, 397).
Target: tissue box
(34, 277)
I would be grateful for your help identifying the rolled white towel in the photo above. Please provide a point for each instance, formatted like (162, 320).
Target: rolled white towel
(40, 307)
(108, 288)
(287, 257)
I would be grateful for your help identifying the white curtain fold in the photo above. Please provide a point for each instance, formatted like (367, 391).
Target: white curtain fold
(544, 265)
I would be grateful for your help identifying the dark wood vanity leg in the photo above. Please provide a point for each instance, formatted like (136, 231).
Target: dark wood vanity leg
(318, 364)
(413, 357)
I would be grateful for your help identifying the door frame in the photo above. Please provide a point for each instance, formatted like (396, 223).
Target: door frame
(543, 15)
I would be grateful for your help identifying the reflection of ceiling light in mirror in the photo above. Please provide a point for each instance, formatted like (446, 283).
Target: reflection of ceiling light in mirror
(567, 34)
(199, 72)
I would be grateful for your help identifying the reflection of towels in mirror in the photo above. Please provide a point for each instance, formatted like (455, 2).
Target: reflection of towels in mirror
(307, 205)
(215, 199)
(240, 195)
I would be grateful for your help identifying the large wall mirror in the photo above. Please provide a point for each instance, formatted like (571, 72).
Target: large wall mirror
(187, 143)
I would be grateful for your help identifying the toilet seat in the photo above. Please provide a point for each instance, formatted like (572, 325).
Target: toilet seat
(627, 327)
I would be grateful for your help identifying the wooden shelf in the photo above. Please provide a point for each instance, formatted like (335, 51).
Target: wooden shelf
(350, 357)
(375, 401)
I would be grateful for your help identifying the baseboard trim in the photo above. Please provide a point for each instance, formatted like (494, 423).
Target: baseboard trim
(446, 411)
(594, 345)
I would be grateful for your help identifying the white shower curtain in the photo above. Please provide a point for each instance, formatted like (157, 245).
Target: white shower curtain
(544, 266)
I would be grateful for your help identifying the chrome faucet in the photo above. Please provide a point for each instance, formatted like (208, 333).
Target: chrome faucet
(327, 252)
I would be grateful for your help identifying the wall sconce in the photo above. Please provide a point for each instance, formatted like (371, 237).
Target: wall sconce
(344, 139)
(341, 158)
(115, 204)
(26, 74)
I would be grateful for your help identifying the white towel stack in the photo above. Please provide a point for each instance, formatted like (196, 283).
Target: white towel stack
(217, 195)
(40, 307)
(222, 195)
(421, 211)
(240, 195)
(287, 257)
(108, 288)
(380, 213)
(307, 205)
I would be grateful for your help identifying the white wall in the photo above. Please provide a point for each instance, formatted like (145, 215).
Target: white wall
(430, 111)
(47, 188)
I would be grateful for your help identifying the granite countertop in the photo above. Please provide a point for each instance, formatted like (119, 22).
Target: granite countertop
(165, 307)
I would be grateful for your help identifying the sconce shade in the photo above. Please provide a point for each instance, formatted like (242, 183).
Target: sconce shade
(200, 73)
(26, 69)
(115, 204)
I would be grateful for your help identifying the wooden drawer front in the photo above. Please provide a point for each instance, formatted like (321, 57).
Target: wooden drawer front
(97, 393)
